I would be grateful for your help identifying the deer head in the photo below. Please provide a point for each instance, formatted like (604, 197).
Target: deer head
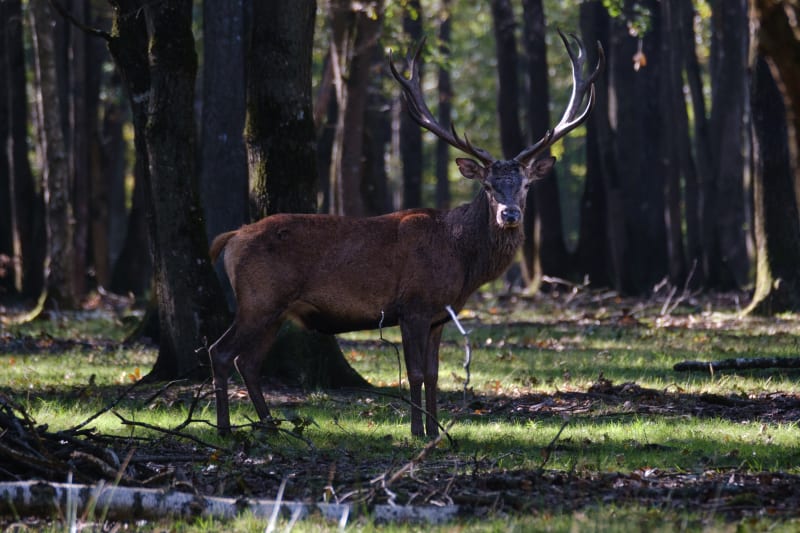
(506, 182)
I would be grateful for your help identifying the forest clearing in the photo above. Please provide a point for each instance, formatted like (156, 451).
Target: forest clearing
(573, 417)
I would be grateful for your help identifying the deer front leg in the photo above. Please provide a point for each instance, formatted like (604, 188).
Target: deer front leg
(431, 380)
(415, 336)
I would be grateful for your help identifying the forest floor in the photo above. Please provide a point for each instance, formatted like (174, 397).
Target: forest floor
(573, 406)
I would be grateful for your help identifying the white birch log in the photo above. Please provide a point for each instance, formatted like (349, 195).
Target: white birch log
(25, 498)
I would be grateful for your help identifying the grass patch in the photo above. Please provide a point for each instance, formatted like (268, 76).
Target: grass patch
(642, 447)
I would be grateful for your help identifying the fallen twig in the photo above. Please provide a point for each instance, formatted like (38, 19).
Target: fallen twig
(739, 363)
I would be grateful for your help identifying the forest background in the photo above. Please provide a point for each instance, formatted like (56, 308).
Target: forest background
(136, 131)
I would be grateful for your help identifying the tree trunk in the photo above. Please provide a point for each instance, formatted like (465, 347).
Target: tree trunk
(698, 169)
(27, 204)
(128, 48)
(601, 237)
(776, 217)
(279, 118)
(377, 134)
(60, 263)
(410, 132)
(82, 112)
(725, 207)
(639, 128)
(223, 158)
(351, 32)
(444, 111)
(7, 269)
(778, 39)
(674, 148)
(190, 302)
(544, 250)
(280, 147)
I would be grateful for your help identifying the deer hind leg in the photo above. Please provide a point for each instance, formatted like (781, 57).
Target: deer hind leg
(415, 336)
(248, 362)
(221, 354)
(431, 380)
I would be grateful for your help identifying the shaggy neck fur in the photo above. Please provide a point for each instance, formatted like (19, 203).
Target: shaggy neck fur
(487, 249)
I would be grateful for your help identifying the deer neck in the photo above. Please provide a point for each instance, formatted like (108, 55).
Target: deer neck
(486, 249)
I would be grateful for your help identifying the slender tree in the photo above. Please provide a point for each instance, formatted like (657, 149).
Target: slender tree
(410, 133)
(444, 111)
(27, 204)
(60, 263)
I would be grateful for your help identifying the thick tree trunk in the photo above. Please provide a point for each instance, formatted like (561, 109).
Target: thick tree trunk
(223, 158)
(190, 302)
(444, 112)
(60, 263)
(725, 207)
(280, 148)
(279, 118)
(776, 217)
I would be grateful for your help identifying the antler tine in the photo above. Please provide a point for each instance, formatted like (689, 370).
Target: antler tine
(421, 114)
(582, 88)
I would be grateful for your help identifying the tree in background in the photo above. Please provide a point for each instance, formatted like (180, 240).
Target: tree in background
(775, 106)
(223, 159)
(60, 286)
(410, 132)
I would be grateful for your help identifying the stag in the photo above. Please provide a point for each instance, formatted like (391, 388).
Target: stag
(336, 274)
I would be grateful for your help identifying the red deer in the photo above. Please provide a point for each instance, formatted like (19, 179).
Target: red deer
(336, 274)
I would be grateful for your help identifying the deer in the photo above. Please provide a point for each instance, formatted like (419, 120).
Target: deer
(336, 274)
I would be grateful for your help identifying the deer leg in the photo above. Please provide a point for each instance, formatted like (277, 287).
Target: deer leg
(221, 355)
(415, 336)
(431, 380)
(248, 363)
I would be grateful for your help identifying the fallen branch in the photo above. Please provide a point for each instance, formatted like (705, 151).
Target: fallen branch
(739, 363)
(27, 498)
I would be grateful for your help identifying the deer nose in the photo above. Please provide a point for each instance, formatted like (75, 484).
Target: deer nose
(511, 216)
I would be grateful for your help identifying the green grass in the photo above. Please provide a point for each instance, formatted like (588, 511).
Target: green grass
(529, 362)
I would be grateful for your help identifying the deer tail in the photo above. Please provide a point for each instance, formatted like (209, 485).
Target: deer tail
(218, 244)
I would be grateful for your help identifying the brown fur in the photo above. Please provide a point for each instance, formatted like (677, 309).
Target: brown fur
(218, 244)
(336, 274)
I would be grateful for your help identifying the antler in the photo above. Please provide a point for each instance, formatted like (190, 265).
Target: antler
(415, 102)
(580, 85)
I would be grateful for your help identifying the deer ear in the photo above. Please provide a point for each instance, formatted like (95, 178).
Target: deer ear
(540, 167)
(471, 169)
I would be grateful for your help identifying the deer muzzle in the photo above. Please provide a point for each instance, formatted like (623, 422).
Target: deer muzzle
(509, 216)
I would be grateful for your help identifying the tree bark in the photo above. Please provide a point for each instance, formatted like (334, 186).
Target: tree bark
(27, 205)
(223, 159)
(352, 30)
(674, 148)
(725, 208)
(601, 237)
(410, 132)
(60, 263)
(279, 117)
(776, 217)
(190, 302)
(544, 250)
(444, 111)
(7, 270)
